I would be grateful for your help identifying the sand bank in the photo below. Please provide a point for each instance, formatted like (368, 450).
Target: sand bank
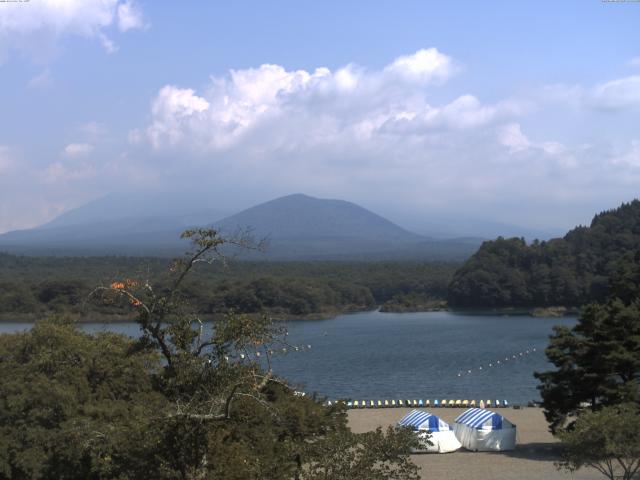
(532, 459)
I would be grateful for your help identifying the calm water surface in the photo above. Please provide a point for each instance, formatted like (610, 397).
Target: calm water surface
(377, 355)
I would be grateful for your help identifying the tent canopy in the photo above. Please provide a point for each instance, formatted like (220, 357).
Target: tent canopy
(483, 419)
(419, 420)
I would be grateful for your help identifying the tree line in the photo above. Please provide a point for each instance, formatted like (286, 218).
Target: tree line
(569, 271)
(38, 286)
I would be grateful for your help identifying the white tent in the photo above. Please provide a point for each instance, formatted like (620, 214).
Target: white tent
(482, 430)
(433, 429)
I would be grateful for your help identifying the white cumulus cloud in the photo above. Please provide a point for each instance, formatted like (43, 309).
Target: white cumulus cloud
(424, 66)
(300, 109)
(37, 24)
(130, 16)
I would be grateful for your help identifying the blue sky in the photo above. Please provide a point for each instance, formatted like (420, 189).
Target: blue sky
(521, 112)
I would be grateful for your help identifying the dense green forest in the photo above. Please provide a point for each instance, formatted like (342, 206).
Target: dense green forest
(34, 286)
(568, 271)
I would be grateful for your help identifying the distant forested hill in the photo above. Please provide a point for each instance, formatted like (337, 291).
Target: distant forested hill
(568, 271)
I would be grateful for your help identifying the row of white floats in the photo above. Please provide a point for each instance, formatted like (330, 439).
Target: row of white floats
(498, 363)
(426, 403)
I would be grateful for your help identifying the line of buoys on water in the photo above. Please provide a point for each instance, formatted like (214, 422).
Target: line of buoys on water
(269, 352)
(422, 403)
(524, 353)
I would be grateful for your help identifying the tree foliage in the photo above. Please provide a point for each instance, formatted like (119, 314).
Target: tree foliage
(607, 440)
(74, 405)
(598, 360)
(185, 400)
(568, 271)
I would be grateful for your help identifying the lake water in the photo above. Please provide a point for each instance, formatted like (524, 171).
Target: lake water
(375, 355)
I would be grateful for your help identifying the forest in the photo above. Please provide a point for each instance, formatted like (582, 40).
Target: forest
(32, 287)
(569, 271)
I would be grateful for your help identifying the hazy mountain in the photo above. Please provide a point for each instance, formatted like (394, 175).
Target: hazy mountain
(296, 226)
(132, 224)
(173, 208)
(301, 217)
(452, 226)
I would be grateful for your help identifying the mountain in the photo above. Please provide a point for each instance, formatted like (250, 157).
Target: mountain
(173, 208)
(296, 227)
(131, 224)
(300, 217)
(462, 226)
(302, 227)
(569, 271)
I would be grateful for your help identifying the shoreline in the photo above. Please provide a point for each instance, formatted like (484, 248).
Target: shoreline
(558, 312)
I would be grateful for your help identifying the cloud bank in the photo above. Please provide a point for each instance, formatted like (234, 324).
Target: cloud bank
(399, 139)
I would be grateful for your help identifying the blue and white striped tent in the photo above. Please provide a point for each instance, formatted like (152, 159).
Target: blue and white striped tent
(420, 420)
(483, 430)
(436, 435)
(481, 418)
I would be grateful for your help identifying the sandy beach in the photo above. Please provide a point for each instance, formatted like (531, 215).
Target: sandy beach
(532, 459)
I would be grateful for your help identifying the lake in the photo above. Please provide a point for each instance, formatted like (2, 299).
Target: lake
(374, 355)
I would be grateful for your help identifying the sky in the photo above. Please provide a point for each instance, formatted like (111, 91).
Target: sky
(520, 112)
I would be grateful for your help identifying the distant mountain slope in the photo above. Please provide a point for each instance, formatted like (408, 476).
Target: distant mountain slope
(302, 227)
(454, 226)
(131, 224)
(568, 271)
(297, 227)
(301, 217)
